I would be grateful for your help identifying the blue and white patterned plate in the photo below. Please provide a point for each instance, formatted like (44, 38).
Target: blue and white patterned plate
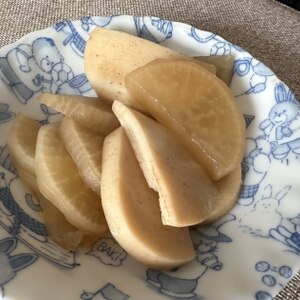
(249, 254)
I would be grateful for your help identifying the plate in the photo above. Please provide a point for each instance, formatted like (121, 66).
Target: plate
(251, 253)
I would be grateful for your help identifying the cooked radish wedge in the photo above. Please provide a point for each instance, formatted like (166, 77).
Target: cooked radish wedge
(85, 147)
(60, 182)
(29, 180)
(186, 194)
(58, 227)
(132, 210)
(92, 113)
(21, 142)
(110, 55)
(229, 188)
(197, 107)
(224, 65)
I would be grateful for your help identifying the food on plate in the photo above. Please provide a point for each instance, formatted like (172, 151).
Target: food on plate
(85, 147)
(28, 178)
(197, 107)
(229, 189)
(21, 142)
(187, 196)
(61, 231)
(92, 113)
(59, 181)
(110, 55)
(156, 176)
(224, 65)
(58, 228)
(132, 210)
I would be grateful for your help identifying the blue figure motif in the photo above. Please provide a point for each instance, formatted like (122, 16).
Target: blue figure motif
(51, 115)
(39, 67)
(5, 114)
(257, 72)
(281, 128)
(288, 237)
(11, 264)
(280, 137)
(182, 282)
(8, 205)
(153, 29)
(13, 66)
(270, 277)
(248, 119)
(108, 291)
(264, 214)
(73, 38)
(5, 160)
(255, 165)
(30, 231)
(88, 22)
(204, 38)
(219, 46)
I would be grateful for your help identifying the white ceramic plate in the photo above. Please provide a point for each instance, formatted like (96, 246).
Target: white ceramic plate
(249, 254)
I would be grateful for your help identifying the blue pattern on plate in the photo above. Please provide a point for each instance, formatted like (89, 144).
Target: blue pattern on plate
(262, 209)
(44, 69)
(258, 72)
(44, 62)
(279, 139)
(5, 114)
(288, 237)
(206, 242)
(271, 276)
(25, 226)
(12, 263)
(73, 37)
(153, 29)
(108, 291)
(5, 160)
(108, 251)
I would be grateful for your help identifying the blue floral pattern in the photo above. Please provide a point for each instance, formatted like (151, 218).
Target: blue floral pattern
(267, 215)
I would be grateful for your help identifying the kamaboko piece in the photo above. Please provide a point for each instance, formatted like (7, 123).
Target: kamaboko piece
(197, 107)
(187, 196)
(132, 210)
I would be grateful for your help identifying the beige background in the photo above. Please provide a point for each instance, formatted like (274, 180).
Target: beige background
(269, 30)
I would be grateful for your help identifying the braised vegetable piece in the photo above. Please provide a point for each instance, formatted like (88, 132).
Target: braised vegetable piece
(224, 66)
(21, 142)
(197, 107)
(187, 196)
(59, 181)
(110, 55)
(85, 147)
(229, 188)
(92, 113)
(132, 210)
